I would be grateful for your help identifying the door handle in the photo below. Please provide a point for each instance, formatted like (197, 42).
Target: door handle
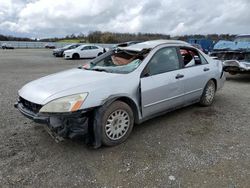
(179, 76)
(206, 69)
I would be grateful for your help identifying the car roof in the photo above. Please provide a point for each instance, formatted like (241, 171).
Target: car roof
(152, 44)
(83, 45)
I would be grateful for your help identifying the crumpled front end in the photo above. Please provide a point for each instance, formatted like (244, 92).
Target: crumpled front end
(235, 56)
(234, 66)
(59, 126)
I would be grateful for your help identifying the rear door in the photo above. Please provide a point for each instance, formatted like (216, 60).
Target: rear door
(161, 83)
(196, 71)
(86, 52)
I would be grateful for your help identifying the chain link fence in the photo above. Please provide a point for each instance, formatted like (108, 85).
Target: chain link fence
(24, 44)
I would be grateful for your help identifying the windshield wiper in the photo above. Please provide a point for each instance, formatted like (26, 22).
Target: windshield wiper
(98, 69)
(94, 69)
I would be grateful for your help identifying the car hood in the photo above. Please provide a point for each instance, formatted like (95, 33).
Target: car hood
(69, 51)
(42, 90)
(58, 49)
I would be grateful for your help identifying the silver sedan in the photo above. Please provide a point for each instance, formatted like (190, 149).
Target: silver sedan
(104, 98)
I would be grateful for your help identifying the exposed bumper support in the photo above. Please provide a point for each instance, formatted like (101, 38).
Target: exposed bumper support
(31, 115)
(69, 125)
(236, 66)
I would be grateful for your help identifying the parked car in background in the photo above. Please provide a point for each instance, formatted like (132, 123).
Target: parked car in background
(106, 97)
(84, 51)
(58, 52)
(234, 54)
(125, 44)
(7, 46)
(50, 46)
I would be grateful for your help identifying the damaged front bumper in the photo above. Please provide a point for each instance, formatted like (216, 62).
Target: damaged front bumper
(234, 66)
(60, 126)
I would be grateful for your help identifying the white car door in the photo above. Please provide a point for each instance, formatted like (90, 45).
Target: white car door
(196, 71)
(95, 51)
(161, 83)
(85, 52)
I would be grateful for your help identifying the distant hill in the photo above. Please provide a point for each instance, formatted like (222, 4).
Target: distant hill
(111, 38)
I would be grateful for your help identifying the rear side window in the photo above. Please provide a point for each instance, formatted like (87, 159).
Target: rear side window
(164, 60)
(86, 48)
(94, 47)
(191, 57)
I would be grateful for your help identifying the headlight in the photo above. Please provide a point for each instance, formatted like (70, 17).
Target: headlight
(70, 103)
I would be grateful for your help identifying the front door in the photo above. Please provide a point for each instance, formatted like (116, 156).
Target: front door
(86, 52)
(161, 84)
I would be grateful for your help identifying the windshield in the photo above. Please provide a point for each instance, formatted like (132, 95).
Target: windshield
(66, 47)
(80, 47)
(117, 61)
(242, 39)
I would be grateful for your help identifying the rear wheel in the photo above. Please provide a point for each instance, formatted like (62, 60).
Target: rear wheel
(76, 56)
(116, 121)
(233, 73)
(208, 94)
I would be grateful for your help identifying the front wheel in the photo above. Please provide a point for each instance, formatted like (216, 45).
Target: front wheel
(233, 73)
(116, 121)
(76, 56)
(208, 94)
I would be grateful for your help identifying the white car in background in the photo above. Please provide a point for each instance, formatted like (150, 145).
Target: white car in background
(84, 51)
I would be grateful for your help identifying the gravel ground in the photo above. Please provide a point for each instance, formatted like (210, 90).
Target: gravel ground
(191, 147)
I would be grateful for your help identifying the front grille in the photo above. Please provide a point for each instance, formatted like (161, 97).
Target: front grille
(33, 107)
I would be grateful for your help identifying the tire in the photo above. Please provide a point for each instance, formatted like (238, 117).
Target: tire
(208, 94)
(75, 56)
(116, 121)
(100, 53)
(233, 73)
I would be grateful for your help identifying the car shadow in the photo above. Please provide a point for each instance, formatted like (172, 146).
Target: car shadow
(161, 122)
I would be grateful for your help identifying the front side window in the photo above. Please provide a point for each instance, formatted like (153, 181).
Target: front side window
(94, 47)
(164, 60)
(86, 48)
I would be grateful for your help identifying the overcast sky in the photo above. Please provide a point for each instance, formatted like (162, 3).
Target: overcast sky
(49, 18)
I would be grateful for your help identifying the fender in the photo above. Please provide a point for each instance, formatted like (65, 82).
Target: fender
(97, 129)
